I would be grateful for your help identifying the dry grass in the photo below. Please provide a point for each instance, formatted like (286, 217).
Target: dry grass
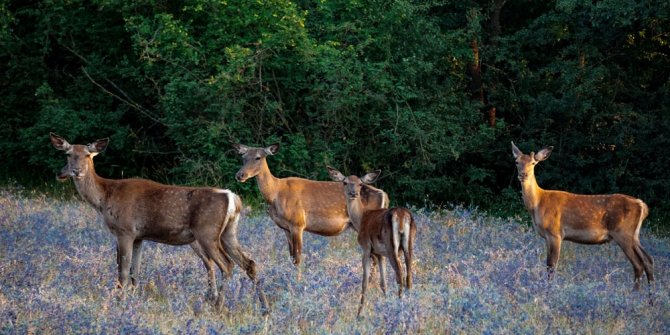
(474, 274)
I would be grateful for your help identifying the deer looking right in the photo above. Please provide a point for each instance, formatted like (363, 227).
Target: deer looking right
(381, 232)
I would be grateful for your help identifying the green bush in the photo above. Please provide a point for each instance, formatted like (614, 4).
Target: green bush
(357, 85)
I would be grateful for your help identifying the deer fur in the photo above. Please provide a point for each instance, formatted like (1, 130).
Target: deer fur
(585, 219)
(381, 233)
(296, 204)
(135, 210)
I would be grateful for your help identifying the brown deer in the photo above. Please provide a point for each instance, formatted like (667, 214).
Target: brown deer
(586, 219)
(381, 232)
(297, 204)
(138, 209)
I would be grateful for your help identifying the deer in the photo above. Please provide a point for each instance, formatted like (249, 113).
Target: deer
(296, 204)
(584, 219)
(381, 233)
(136, 209)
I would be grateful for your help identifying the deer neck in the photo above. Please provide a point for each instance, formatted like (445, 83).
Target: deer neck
(355, 210)
(267, 183)
(531, 192)
(91, 188)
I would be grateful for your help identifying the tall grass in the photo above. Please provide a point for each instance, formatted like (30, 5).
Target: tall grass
(473, 274)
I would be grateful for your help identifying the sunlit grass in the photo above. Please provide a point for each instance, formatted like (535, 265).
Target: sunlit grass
(473, 274)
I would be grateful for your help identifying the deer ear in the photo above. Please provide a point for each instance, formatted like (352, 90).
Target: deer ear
(371, 177)
(543, 154)
(59, 142)
(515, 151)
(98, 146)
(334, 174)
(271, 150)
(241, 148)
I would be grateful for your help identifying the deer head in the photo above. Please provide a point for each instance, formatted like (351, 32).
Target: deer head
(525, 164)
(79, 157)
(353, 184)
(252, 160)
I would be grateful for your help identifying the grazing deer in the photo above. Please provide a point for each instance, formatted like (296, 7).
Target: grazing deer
(297, 204)
(586, 219)
(381, 232)
(138, 209)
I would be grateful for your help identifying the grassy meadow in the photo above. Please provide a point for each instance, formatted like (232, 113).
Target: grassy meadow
(474, 274)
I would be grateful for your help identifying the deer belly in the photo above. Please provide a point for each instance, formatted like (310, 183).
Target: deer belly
(586, 236)
(174, 238)
(327, 227)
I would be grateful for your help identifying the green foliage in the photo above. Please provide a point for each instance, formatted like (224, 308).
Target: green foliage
(359, 85)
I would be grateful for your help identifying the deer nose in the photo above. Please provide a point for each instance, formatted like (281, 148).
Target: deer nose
(239, 176)
(76, 172)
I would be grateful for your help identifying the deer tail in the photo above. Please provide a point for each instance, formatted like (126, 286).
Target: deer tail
(401, 220)
(641, 253)
(644, 211)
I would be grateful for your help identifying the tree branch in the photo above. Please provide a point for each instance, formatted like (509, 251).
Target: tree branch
(127, 102)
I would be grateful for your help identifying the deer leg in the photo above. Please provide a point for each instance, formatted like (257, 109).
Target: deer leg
(214, 252)
(208, 236)
(118, 258)
(281, 223)
(395, 264)
(629, 250)
(290, 243)
(137, 261)
(212, 292)
(408, 266)
(232, 247)
(366, 276)
(125, 254)
(382, 271)
(647, 262)
(553, 253)
(296, 237)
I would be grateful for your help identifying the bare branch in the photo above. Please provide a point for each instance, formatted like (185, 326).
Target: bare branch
(127, 102)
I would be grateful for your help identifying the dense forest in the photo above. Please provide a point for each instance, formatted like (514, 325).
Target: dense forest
(431, 92)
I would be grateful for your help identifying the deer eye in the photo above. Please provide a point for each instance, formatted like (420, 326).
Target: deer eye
(258, 158)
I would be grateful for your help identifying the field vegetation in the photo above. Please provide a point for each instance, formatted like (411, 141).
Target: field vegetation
(475, 274)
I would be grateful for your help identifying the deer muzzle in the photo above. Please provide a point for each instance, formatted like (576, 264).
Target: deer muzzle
(241, 177)
(522, 176)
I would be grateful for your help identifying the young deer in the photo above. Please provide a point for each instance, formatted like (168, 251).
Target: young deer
(297, 204)
(381, 232)
(586, 219)
(138, 209)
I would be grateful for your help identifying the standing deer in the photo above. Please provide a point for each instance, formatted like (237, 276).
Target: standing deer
(138, 209)
(381, 232)
(297, 204)
(586, 219)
